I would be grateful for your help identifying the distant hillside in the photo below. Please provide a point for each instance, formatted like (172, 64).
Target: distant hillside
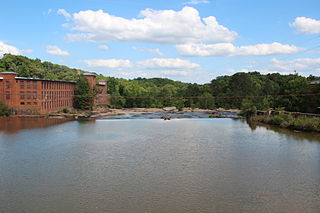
(241, 90)
(35, 68)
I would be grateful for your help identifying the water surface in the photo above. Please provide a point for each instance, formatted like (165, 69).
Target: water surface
(151, 165)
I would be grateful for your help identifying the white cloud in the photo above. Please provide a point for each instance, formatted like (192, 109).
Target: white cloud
(228, 49)
(301, 65)
(167, 63)
(162, 73)
(5, 48)
(306, 25)
(174, 72)
(103, 47)
(28, 51)
(54, 50)
(109, 63)
(149, 50)
(162, 26)
(198, 2)
(65, 14)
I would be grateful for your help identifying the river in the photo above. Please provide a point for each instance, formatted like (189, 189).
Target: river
(152, 165)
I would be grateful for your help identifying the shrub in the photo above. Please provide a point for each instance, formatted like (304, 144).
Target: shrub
(4, 109)
(65, 110)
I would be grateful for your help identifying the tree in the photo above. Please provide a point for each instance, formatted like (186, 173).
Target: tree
(4, 109)
(83, 96)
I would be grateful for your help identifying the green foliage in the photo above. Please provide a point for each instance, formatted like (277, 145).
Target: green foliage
(248, 108)
(34, 68)
(83, 96)
(247, 91)
(4, 109)
(65, 110)
(288, 121)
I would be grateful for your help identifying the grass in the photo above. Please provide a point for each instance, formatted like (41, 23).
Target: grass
(288, 121)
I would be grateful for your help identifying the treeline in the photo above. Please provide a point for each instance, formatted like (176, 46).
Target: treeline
(241, 90)
(254, 90)
(35, 68)
(250, 91)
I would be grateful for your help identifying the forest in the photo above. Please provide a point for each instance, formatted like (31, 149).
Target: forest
(240, 90)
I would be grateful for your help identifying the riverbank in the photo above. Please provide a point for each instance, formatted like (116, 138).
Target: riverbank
(301, 123)
(103, 112)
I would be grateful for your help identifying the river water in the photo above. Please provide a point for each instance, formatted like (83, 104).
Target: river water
(152, 165)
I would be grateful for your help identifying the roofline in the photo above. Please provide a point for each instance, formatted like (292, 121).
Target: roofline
(89, 74)
(38, 79)
(8, 73)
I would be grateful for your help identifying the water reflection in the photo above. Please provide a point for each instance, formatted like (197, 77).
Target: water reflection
(151, 165)
(11, 125)
(298, 135)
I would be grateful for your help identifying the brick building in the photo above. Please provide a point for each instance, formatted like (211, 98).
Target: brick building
(40, 96)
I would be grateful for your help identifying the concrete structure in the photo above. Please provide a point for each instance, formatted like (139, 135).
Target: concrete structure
(40, 96)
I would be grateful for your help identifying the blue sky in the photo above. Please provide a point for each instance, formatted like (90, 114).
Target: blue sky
(187, 40)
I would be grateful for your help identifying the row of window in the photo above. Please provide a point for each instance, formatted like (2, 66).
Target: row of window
(45, 95)
(56, 94)
(45, 85)
(28, 95)
(28, 84)
(56, 104)
(56, 85)
(29, 103)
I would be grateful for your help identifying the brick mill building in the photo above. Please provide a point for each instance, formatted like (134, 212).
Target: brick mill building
(41, 96)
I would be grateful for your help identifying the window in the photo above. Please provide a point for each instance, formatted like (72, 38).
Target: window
(35, 103)
(21, 84)
(7, 95)
(28, 103)
(28, 95)
(22, 95)
(35, 95)
(35, 85)
(22, 103)
(7, 84)
(28, 85)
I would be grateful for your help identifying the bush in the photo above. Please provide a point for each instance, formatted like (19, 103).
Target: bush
(65, 110)
(305, 123)
(283, 120)
(4, 109)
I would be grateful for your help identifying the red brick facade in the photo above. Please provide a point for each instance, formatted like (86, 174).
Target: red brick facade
(39, 96)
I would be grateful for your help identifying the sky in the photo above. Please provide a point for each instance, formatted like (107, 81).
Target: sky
(186, 40)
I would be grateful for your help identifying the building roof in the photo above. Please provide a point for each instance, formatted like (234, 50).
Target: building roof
(315, 82)
(89, 74)
(38, 79)
(8, 73)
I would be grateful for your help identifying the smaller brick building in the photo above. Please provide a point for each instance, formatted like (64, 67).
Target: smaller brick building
(40, 96)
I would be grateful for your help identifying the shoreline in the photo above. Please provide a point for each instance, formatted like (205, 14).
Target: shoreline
(302, 124)
(102, 112)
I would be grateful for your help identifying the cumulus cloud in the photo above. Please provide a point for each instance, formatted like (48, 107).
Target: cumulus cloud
(162, 73)
(149, 50)
(103, 47)
(167, 63)
(154, 26)
(109, 63)
(301, 65)
(65, 14)
(198, 2)
(54, 50)
(161, 65)
(228, 49)
(305, 25)
(5, 48)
